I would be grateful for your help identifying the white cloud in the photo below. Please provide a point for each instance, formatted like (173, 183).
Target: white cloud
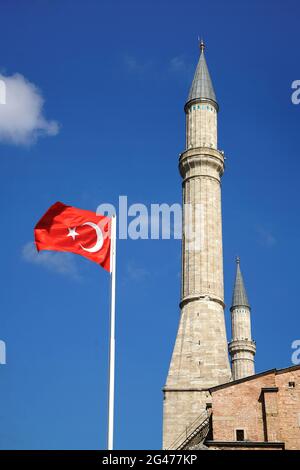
(266, 237)
(21, 116)
(62, 263)
(137, 66)
(177, 64)
(136, 273)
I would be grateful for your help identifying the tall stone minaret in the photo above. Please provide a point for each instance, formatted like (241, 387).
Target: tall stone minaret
(200, 355)
(241, 348)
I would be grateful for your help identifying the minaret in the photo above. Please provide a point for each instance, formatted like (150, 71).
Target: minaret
(241, 348)
(200, 355)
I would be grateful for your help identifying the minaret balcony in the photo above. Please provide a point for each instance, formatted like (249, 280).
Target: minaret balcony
(238, 345)
(202, 161)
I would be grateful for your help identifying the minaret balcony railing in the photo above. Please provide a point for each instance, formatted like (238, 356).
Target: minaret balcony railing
(194, 160)
(242, 345)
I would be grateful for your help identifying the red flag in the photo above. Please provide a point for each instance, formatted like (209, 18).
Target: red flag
(66, 228)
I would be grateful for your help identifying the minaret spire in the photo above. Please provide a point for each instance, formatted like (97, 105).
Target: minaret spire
(202, 86)
(239, 297)
(241, 348)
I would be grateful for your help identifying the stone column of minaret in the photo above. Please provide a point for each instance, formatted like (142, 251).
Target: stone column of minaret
(200, 356)
(241, 348)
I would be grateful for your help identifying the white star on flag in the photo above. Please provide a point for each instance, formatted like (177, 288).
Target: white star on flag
(72, 233)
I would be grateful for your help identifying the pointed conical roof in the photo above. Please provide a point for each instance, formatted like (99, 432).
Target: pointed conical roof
(239, 298)
(202, 86)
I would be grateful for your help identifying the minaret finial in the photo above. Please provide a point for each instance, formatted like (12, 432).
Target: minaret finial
(238, 260)
(201, 45)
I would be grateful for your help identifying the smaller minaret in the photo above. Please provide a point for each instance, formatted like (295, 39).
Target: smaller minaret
(241, 348)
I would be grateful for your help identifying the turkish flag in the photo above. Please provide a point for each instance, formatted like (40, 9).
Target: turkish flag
(66, 228)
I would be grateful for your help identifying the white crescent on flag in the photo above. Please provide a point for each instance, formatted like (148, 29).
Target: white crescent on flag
(99, 242)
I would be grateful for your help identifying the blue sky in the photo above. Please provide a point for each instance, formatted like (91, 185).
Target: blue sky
(114, 77)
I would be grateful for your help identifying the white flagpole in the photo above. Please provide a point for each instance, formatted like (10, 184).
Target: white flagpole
(111, 386)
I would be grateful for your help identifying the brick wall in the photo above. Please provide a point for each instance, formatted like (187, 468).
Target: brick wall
(289, 407)
(266, 407)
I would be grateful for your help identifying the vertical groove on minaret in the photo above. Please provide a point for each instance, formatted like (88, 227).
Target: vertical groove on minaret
(188, 251)
(194, 239)
(183, 260)
(207, 231)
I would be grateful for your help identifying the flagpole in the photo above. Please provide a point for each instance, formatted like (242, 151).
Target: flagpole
(111, 386)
